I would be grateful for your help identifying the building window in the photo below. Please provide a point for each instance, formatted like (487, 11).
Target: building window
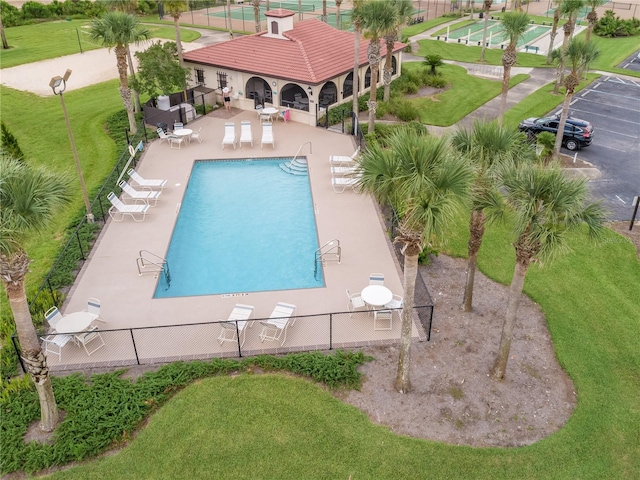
(199, 76)
(222, 80)
(274, 28)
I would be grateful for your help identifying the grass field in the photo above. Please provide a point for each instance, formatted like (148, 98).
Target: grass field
(467, 93)
(32, 43)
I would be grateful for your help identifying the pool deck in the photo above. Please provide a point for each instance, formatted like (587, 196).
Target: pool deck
(111, 275)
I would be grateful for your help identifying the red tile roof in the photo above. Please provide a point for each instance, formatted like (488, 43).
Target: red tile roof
(314, 53)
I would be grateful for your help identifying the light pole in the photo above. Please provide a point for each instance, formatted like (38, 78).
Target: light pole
(58, 85)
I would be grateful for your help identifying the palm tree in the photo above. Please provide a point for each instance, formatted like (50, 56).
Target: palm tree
(554, 29)
(5, 44)
(487, 9)
(29, 200)
(338, 17)
(514, 23)
(117, 30)
(592, 16)
(421, 178)
(324, 11)
(579, 53)
(356, 19)
(175, 9)
(377, 18)
(229, 24)
(256, 13)
(491, 149)
(570, 9)
(546, 205)
(433, 61)
(403, 9)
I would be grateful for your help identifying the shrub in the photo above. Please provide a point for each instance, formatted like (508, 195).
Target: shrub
(611, 26)
(382, 109)
(10, 145)
(36, 10)
(436, 81)
(404, 110)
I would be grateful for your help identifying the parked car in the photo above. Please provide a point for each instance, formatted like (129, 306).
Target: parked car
(577, 133)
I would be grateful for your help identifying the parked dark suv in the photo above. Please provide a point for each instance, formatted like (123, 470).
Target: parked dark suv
(577, 133)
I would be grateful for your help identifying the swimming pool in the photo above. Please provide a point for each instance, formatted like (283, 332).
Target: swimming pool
(244, 226)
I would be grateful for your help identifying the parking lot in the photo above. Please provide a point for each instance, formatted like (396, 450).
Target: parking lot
(612, 105)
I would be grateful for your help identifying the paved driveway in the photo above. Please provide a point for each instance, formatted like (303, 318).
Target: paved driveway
(612, 105)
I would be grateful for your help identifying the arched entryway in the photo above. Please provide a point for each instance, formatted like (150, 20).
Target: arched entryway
(294, 97)
(347, 86)
(328, 94)
(258, 90)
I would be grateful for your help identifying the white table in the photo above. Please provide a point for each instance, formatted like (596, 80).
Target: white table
(270, 111)
(183, 133)
(75, 322)
(376, 295)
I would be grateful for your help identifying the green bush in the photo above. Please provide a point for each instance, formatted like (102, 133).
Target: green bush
(436, 81)
(103, 410)
(382, 109)
(404, 110)
(10, 145)
(611, 26)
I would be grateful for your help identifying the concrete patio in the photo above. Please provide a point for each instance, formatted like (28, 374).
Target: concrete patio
(111, 275)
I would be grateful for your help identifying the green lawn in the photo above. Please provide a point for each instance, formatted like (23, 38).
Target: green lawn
(31, 43)
(467, 93)
(274, 426)
(471, 54)
(540, 102)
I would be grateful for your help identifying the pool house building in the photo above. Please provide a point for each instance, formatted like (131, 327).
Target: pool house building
(305, 67)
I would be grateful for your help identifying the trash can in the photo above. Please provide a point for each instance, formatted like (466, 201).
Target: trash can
(481, 15)
(163, 126)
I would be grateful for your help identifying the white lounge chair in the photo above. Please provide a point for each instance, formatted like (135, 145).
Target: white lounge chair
(267, 135)
(120, 209)
(341, 183)
(344, 170)
(147, 196)
(344, 160)
(229, 135)
(355, 302)
(246, 135)
(145, 182)
(164, 137)
(276, 326)
(236, 323)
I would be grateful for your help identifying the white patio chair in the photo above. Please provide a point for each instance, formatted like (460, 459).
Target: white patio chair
(150, 197)
(376, 279)
(355, 302)
(173, 141)
(92, 336)
(229, 135)
(54, 343)
(197, 135)
(259, 110)
(344, 160)
(53, 316)
(382, 320)
(93, 307)
(118, 208)
(276, 326)
(178, 125)
(267, 135)
(246, 135)
(164, 137)
(238, 316)
(144, 182)
(395, 303)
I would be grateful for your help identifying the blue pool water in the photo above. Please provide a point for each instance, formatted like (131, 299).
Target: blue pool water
(244, 226)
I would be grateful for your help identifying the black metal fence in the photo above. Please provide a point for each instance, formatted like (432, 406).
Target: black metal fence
(199, 341)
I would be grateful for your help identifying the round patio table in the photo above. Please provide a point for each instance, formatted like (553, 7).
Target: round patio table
(376, 295)
(74, 322)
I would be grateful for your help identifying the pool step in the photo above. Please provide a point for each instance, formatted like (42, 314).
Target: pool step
(297, 166)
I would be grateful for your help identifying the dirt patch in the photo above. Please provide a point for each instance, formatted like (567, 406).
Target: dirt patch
(453, 400)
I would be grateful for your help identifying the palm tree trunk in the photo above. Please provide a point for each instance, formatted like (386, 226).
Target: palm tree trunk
(476, 232)
(484, 34)
(338, 16)
(34, 359)
(136, 95)
(356, 71)
(403, 383)
(387, 72)
(229, 19)
(506, 76)
(176, 24)
(125, 91)
(373, 92)
(515, 292)
(563, 120)
(554, 32)
(5, 45)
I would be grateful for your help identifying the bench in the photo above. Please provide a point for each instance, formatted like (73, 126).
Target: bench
(531, 47)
